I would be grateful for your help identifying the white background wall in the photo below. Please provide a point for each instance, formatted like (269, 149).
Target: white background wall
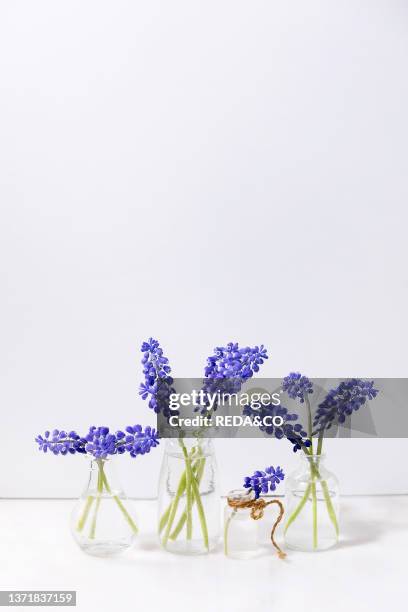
(200, 172)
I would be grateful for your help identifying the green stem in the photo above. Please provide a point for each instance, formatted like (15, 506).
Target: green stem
(320, 442)
(98, 501)
(103, 482)
(173, 508)
(198, 469)
(82, 520)
(126, 514)
(226, 529)
(329, 505)
(315, 474)
(119, 502)
(314, 513)
(166, 514)
(298, 509)
(189, 494)
(194, 496)
(325, 488)
(201, 513)
(309, 423)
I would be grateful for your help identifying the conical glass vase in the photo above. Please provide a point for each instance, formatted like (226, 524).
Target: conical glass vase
(103, 522)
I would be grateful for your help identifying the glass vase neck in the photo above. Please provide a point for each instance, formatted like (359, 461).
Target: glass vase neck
(103, 475)
(313, 458)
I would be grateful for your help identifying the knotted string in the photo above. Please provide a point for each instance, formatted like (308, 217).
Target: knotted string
(257, 511)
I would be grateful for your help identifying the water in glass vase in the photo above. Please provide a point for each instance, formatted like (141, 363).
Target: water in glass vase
(103, 523)
(312, 506)
(189, 501)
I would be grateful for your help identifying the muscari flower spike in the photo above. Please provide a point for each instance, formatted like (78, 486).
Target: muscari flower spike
(290, 430)
(234, 362)
(264, 481)
(349, 396)
(157, 385)
(61, 442)
(99, 442)
(297, 386)
(229, 367)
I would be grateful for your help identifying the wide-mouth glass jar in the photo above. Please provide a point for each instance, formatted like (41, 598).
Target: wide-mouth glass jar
(189, 497)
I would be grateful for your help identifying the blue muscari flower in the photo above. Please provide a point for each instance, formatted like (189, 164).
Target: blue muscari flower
(59, 442)
(229, 367)
(142, 441)
(157, 385)
(100, 442)
(289, 429)
(297, 386)
(264, 481)
(234, 362)
(349, 396)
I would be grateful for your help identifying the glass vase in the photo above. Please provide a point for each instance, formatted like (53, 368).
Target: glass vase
(312, 506)
(247, 520)
(189, 500)
(240, 529)
(103, 523)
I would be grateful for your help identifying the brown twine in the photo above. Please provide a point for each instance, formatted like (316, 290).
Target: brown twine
(257, 511)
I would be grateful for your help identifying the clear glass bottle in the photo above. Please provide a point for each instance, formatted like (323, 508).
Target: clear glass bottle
(103, 523)
(240, 529)
(189, 499)
(312, 506)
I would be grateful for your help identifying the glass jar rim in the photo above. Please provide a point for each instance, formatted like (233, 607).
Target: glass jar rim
(178, 443)
(241, 494)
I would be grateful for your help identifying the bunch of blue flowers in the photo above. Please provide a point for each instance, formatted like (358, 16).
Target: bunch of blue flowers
(99, 442)
(263, 481)
(339, 403)
(350, 395)
(226, 370)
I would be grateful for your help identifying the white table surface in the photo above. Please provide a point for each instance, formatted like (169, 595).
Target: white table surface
(367, 571)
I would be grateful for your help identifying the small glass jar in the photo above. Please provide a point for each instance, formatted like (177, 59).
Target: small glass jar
(240, 529)
(103, 523)
(189, 498)
(312, 506)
